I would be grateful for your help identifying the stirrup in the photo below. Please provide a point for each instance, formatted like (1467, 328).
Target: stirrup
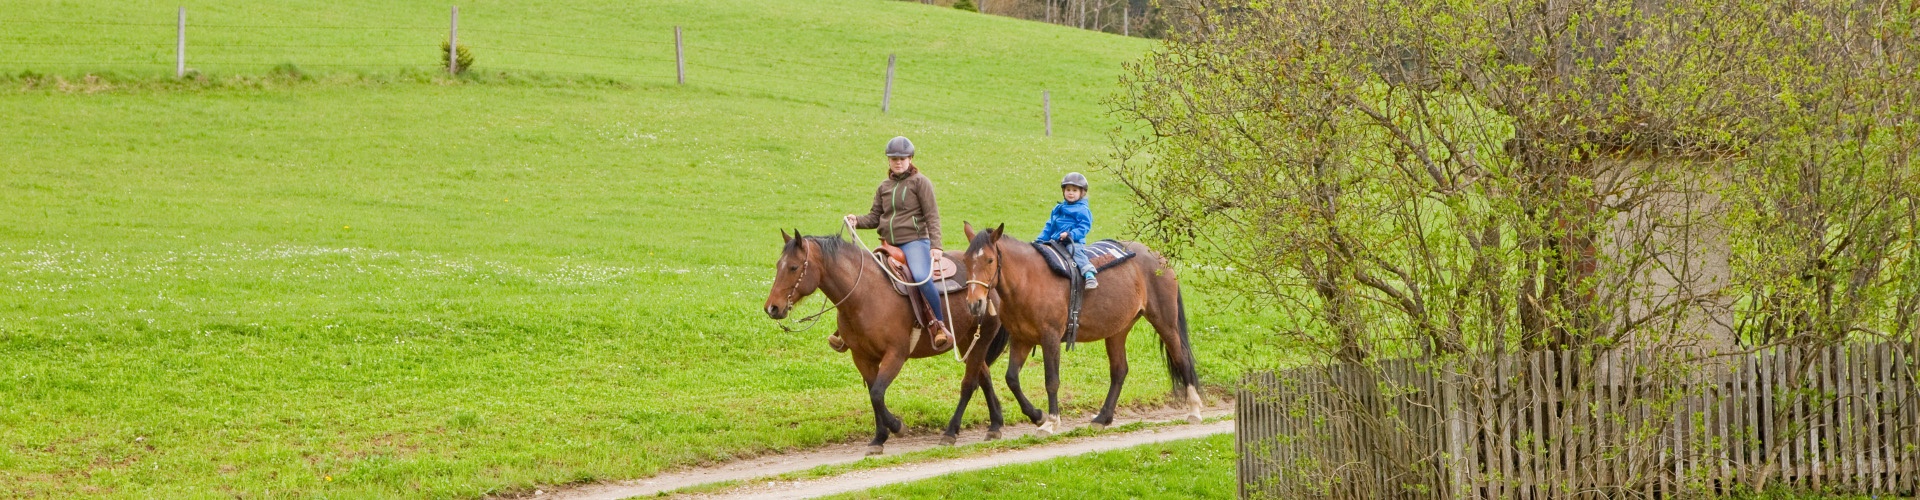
(942, 339)
(838, 344)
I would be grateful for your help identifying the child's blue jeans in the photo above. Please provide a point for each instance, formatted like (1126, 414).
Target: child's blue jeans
(1080, 259)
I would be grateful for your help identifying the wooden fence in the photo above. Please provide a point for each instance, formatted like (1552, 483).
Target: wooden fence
(1578, 425)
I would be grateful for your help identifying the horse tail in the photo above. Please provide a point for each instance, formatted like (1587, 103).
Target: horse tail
(998, 345)
(1183, 374)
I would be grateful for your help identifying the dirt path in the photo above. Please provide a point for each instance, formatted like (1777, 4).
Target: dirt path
(859, 480)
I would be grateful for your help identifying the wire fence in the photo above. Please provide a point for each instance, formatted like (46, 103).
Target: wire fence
(227, 47)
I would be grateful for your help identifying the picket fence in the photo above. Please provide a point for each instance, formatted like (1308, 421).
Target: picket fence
(1566, 424)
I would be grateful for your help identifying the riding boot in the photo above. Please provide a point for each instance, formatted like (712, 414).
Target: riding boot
(838, 344)
(941, 339)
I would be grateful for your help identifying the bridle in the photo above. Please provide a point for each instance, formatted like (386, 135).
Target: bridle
(999, 264)
(814, 319)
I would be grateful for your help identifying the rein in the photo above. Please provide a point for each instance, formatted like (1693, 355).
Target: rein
(814, 319)
(883, 265)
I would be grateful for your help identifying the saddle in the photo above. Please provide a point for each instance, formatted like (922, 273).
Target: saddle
(948, 277)
(1101, 255)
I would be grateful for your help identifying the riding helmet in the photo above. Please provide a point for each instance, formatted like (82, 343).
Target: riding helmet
(1076, 180)
(900, 147)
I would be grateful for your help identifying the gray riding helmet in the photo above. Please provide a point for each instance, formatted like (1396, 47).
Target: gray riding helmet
(900, 147)
(1075, 180)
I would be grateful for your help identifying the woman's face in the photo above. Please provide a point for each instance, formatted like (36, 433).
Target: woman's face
(898, 165)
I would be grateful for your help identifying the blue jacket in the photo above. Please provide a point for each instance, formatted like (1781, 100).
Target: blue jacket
(1072, 217)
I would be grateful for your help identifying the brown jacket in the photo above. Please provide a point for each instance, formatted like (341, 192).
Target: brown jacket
(903, 210)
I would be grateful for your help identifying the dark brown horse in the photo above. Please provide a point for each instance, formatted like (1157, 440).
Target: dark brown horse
(879, 327)
(1033, 307)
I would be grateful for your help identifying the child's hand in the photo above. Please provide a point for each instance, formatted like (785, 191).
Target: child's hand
(1063, 235)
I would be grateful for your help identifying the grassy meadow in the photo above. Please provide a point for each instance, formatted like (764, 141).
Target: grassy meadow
(368, 280)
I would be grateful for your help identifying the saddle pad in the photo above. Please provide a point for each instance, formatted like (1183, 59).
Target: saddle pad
(1102, 254)
(947, 279)
(944, 286)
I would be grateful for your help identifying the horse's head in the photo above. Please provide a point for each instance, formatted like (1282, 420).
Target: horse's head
(796, 275)
(983, 264)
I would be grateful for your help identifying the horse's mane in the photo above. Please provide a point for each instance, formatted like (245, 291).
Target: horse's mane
(831, 246)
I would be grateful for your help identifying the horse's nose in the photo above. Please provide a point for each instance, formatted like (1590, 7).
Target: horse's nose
(977, 307)
(774, 312)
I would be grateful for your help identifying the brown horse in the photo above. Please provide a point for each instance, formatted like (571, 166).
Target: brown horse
(878, 326)
(1033, 307)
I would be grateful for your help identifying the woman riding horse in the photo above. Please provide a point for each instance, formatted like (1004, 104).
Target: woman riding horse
(906, 216)
(878, 324)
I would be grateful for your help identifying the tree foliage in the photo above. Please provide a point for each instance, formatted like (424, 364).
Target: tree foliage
(1420, 177)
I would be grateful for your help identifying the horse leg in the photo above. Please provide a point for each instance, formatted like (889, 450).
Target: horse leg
(994, 421)
(1117, 372)
(883, 420)
(968, 383)
(1015, 360)
(1051, 349)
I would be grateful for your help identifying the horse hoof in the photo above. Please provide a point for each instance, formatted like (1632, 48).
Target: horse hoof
(948, 440)
(1193, 419)
(1098, 426)
(993, 435)
(1046, 429)
(875, 450)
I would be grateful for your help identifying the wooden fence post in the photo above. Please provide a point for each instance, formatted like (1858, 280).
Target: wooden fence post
(1126, 21)
(886, 95)
(679, 57)
(453, 43)
(1046, 107)
(180, 50)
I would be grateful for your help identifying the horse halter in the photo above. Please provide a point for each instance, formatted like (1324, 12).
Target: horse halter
(999, 264)
(797, 279)
(813, 320)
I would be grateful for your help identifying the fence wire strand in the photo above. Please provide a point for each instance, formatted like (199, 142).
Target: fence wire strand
(575, 37)
(569, 54)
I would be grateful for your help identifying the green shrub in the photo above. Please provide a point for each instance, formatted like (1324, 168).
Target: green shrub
(966, 5)
(465, 59)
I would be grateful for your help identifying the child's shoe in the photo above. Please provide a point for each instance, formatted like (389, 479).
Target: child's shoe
(1092, 283)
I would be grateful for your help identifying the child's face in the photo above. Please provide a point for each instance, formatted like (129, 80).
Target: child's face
(1072, 193)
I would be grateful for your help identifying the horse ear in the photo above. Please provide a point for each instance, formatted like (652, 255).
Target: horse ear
(785, 237)
(968, 227)
(1000, 230)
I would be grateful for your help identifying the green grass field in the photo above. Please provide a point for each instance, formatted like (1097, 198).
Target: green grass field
(372, 281)
(1196, 468)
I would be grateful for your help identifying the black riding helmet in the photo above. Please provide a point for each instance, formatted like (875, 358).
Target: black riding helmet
(900, 147)
(1076, 180)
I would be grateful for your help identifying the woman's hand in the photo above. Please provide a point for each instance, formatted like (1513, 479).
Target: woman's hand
(936, 253)
(852, 220)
